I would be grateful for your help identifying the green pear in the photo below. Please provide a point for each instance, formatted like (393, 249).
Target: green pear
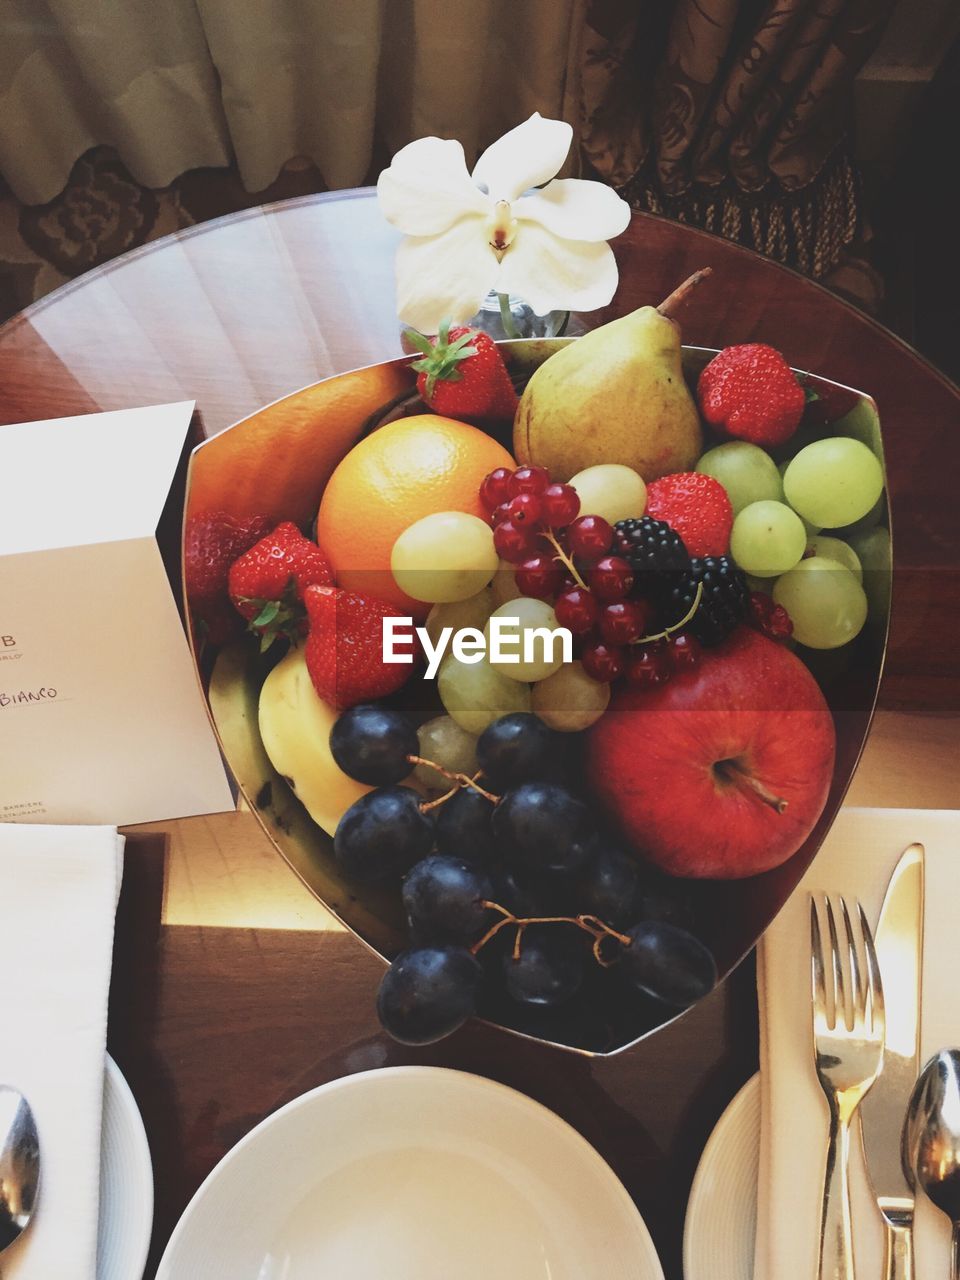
(615, 395)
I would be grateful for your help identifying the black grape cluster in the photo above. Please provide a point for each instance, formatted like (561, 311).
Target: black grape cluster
(510, 890)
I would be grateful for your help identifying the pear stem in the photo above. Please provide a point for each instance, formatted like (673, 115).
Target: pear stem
(673, 301)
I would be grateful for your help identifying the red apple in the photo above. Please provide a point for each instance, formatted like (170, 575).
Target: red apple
(722, 772)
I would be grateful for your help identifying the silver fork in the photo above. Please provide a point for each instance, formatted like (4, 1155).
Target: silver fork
(848, 1039)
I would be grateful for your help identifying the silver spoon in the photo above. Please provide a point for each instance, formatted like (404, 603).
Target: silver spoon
(932, 1139)
(19, 1164)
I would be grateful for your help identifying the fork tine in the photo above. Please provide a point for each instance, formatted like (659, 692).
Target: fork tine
(858, 996)
(839, 1001)
(817, 978)
(878, 1021)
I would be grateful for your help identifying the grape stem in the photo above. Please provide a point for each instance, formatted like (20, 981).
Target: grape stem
(676, 299)
(461, 780)
(590, 924)
(564, 558)
(676, 626)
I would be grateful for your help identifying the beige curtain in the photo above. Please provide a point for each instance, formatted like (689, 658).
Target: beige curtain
(181, 84)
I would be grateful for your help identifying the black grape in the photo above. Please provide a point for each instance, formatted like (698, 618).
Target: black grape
(608, 887)
(519, 748)
(382, 835)
(371, 743)
(428, 993)
(544, 828)
(463, 825)
(668, 963)
(443, 898)
(549, 969)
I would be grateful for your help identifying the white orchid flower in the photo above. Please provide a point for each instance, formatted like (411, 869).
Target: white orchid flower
(469, 234)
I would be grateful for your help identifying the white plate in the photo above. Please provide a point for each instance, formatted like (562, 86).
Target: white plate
(411, 1173)
(126, 1183)
(721, 1222)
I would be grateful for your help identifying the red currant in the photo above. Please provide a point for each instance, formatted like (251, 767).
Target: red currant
(685, 652)
(561, 504)
(576, 610)
(528, 480)
(525, 509)
(610, 578)
(649, 666)
(602, 662)
(590, 537)
(623, 621)
(494, 488)
(539, 576)
(499, 514)
(513, 542)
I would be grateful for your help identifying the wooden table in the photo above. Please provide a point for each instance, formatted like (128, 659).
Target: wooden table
(233, 989)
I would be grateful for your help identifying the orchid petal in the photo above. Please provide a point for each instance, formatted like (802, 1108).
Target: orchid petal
(558, 275)
(526, 156)
(576, 209)
(427, 188)
(445, 276)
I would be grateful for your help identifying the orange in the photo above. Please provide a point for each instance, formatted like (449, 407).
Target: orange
(408, 469)
(276, 461)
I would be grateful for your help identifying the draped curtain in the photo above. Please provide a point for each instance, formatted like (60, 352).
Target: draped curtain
(730, 114)
(181, 84)
(733, 115)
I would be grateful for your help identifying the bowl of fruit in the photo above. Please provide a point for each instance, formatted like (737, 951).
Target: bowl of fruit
(545, 664)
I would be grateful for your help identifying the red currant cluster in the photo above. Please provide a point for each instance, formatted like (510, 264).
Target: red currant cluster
(769, 617)
(569, 560)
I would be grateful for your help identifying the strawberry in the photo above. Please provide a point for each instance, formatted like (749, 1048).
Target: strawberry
(212, 540)
(826, 401)
(695, 506)
(751, 393)
(267, 583)
(462, 374)
(344, 651)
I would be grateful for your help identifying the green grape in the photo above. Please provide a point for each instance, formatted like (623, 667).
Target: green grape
(873, 548)
(833, 482)
(746, 471)
(611, 490)
(569, 700)
(475, 695)
(472, 612)
(768, 538)
(504, 586)
(869, 521)
(811, 528)
(444, 557)
(444, 742)
(834, 549)
(825, 602)
(546, 655)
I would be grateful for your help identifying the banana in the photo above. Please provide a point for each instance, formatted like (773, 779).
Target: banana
(295, 726)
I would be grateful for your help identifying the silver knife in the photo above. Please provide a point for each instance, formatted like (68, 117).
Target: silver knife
(899, 942)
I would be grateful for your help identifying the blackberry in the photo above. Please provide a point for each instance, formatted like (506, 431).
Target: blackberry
(657, 556)
(725, 601)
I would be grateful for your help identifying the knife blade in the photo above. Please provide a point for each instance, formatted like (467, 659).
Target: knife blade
(899, 943)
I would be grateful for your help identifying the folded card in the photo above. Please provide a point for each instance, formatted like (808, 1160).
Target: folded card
(101, 715)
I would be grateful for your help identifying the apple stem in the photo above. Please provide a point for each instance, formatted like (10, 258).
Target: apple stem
(733, 772)
(679, 296)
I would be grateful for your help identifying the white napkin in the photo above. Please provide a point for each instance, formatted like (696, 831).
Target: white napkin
(857, 859)
(58, 900)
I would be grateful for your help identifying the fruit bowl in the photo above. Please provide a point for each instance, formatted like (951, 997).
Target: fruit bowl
(275, 465)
